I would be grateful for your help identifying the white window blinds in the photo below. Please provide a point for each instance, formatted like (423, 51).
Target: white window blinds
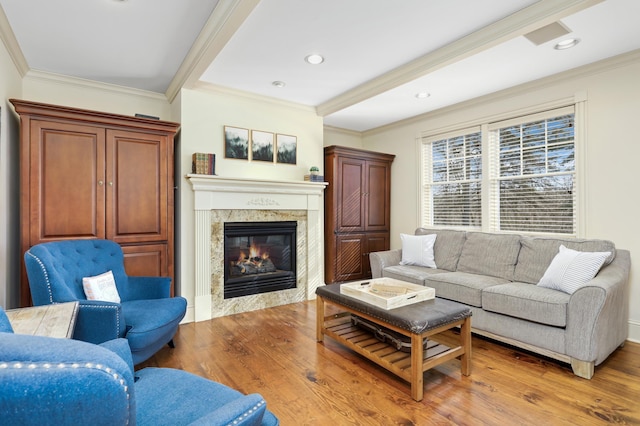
(532, 173)
(452, 179)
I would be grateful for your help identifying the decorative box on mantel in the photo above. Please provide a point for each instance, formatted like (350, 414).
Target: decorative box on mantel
(222, 199)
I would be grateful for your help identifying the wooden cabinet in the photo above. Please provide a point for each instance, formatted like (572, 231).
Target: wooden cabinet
(87, 174)
(357, 210)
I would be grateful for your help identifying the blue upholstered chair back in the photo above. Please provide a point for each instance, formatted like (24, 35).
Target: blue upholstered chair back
(60, 266)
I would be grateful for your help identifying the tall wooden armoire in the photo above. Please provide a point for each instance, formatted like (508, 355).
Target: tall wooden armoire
(357, 210)
(87, 174)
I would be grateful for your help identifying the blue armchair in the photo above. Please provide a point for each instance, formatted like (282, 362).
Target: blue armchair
(68, 382)
(146, 316)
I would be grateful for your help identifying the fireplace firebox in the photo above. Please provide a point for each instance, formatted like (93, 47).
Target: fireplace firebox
(259, 257)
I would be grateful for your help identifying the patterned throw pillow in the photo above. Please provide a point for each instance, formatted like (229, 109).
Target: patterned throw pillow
(101, 287)
(570, 269)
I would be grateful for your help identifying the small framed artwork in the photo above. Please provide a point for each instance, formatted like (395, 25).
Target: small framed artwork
(287, 147)
(261, 146)
(236, 143)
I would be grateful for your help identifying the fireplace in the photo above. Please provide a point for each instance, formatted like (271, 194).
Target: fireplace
(259, 257)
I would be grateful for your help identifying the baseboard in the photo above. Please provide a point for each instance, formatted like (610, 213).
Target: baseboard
(634, 331)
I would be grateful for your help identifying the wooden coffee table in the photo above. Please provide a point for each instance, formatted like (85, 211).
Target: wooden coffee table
(417, 321)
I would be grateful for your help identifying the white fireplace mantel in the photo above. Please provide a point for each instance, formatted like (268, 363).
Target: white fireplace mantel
(214, 193)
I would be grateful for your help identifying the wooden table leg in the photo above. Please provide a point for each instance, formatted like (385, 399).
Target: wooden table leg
(319, 318)
(417, 357)
(465, 342)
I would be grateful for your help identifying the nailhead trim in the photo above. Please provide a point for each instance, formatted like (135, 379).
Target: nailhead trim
(247, 413)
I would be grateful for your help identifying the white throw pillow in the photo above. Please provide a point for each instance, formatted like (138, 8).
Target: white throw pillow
(570, 269)
(418, 250)
(101, 287)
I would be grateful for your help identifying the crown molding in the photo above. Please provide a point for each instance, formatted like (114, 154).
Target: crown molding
(83, 83)
(214, 88)
(604, 65)
(9, 39)
(225, 20)
(342, 131)
(522, 22)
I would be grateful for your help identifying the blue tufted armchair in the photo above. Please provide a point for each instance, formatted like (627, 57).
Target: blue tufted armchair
(146, 316)
(50, 381)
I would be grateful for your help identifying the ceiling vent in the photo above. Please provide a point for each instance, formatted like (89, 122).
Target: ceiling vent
(547, 33)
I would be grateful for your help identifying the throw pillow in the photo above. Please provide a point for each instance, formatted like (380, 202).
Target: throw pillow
(570, 269)
(418, 250)
(101, 287)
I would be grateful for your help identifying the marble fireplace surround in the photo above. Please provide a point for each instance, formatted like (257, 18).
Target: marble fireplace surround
(218, 200)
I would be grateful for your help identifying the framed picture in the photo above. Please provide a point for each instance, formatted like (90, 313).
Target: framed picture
(261, 146)
(236, 143)
(287, 147)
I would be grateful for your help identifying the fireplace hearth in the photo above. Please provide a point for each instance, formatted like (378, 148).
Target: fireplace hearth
(259, 257)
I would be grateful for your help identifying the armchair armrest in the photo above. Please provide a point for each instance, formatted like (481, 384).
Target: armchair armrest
(141, 288)
(247, 410)
(99, 321)
(382, 259)
(121, 348)
(62, 381)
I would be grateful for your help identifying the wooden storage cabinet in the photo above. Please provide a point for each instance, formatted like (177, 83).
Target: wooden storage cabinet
(86, 174)
(357, 211)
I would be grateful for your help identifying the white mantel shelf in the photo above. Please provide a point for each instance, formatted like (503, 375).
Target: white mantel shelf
(215, 193)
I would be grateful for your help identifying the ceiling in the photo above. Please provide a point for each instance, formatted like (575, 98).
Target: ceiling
(378, 53)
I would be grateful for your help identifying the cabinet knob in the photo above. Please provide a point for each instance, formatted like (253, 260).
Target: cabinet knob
(100, 183)
(110, 183)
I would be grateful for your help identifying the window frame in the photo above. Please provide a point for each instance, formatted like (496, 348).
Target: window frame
(551, 109)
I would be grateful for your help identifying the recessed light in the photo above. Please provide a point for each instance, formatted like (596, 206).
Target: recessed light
(566, 44)
(314, 59)
(279, 83)
(423, 95)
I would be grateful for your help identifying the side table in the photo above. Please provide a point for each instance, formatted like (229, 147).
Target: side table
(57, 320)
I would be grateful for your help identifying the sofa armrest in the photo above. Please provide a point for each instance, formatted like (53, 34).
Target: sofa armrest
(598, 314)
(141, 288)
(382, 259)
(99, 321)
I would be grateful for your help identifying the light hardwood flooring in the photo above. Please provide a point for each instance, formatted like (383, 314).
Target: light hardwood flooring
(274, 352)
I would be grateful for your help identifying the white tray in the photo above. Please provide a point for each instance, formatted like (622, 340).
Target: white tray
(387, 293)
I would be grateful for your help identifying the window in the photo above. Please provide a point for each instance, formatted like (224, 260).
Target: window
(533, 173)
(452, 181)
(529, 184)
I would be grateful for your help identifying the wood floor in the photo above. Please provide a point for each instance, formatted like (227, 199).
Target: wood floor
(274, 352)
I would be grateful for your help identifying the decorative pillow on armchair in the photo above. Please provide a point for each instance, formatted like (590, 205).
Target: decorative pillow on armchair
(418, 250)
(101, 287)
(570, 269)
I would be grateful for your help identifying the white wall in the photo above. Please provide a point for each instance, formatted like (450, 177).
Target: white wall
(612, 91)
(342, 137)
(205, 112)
(10, 87)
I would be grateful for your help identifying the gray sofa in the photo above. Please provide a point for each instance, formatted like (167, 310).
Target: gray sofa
(496, 276)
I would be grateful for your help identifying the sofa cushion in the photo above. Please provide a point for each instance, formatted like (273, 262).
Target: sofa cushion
(536, 254)
(490, 254)
(418, 250)
(461, 286)
(528, 302)
(571, 269)
(408, 273)
(447, 248)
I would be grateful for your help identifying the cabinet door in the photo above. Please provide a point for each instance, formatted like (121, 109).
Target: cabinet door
(66, 181)
(147, 260)
(349, 194)
(377, 196)
(350, 251)
(137, 180)
(375, 242)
